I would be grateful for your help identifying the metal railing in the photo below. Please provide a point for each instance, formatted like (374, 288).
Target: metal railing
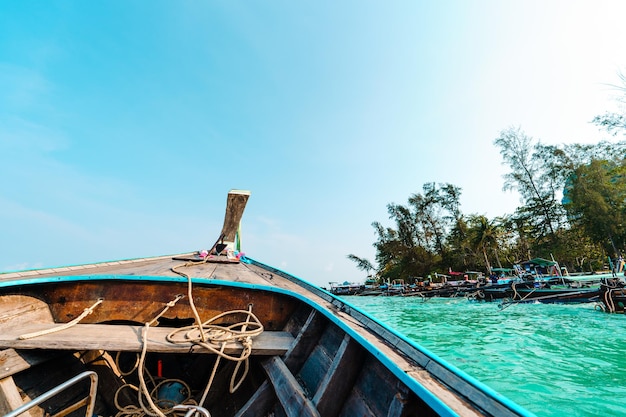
(88, 401)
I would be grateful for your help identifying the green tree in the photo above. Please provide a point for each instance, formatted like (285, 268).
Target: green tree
(417, 244)
(362, 264)
(483, 237)
(400, 258)
(513, 243)
(615, 122)
(539, 183)
(434, 212)
(460, 254)
(597, 202)
(577, 251)
(573, 208)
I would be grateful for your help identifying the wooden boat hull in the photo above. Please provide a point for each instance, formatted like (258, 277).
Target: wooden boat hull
(613, 296)
(528, 293)
(559, 295)
(212, 334)
(498, 292)
(311, 359)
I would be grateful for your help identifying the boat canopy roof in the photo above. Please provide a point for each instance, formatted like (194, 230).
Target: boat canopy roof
(539, 262)
(505, 270)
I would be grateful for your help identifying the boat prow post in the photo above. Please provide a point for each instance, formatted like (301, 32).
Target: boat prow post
(235, 205)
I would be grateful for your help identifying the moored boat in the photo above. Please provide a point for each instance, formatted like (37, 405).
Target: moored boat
(346, 288)
(613, 295)
(542, 292)
(557, 295)
(212, 333)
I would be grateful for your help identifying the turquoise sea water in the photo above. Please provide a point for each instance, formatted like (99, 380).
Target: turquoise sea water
(552, 359)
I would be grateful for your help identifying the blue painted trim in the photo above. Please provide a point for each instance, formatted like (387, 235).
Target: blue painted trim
(74, 278)
(434, 402)
(467, 378)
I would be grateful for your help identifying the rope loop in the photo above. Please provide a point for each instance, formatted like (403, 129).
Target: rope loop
(213, 335)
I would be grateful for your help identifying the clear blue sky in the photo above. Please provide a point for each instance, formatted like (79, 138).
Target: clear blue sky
(123, 124)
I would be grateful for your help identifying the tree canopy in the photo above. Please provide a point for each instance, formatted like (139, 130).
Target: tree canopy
(572, 207)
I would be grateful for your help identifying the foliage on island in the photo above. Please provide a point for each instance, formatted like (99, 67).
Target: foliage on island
(573, 209)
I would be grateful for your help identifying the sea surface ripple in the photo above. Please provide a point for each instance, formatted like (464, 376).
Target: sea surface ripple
(552, 359)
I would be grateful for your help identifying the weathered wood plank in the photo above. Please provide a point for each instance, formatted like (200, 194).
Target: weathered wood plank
(472, 393)
(398, 406)
(356, 406)
(128, 338)
(46, 376)
(13, 362)
(260, 402)
(305, 341)
(316, 367)
(289, 392)
(308, 336)
(139, 301)
(375, 386)
(339, 378)
(18, 309)
(235, 205)
(10, 397)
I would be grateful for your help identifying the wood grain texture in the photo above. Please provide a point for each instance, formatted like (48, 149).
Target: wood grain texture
(339, 378)
(292, 398)
(16, 309)
(10, 397)
(14, 361)
(235, 205)
(260, 402)
(136, 302)
(129, 339)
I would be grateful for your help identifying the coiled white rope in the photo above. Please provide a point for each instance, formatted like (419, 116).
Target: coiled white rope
(215, 338)
(209, 335)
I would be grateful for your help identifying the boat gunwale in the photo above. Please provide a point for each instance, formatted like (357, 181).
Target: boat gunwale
(404, 345)
(34, 272)
(491, 393)
(423, 393)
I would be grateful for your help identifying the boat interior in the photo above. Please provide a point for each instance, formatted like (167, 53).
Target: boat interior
(211, 333)
(300, 362)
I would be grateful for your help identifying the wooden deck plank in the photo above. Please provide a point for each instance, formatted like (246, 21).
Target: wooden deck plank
(399, 403)
(128, 338)
(339, 378)
(10, 397)
(260, 402)
(18, 309)
(474, 395)
(305, 341)
(292, 398)
(13, 362)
